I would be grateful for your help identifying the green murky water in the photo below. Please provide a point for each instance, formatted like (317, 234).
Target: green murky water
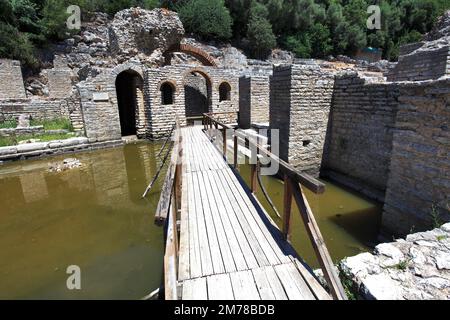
(94, 217)
(91, 216)
(349, 223)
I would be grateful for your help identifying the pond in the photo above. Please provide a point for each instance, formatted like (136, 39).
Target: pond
(92, 217)
(348, 221)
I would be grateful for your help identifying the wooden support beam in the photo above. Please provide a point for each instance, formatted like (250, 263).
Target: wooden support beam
(224, 143)
(287, 208)
(318, 243)
(254, 176)
(235, 151)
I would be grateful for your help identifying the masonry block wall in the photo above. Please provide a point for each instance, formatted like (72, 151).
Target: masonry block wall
(299, 108)
(44, 109)
(100, 111)
(254, 97)
(419, 180)
(59, 82)
(421, 65)
(161, 117)
(11, 81)
(359, 139)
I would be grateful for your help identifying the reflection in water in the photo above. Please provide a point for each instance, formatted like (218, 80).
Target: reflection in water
(349, 223)
(91, 216)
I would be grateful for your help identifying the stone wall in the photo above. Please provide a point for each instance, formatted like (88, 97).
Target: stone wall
(163, 116)
(359, 138)
(254, 98)
(11, 81)
(299, 107)
(59, 82)
(420, 168)
(421, 65)
(100, 111)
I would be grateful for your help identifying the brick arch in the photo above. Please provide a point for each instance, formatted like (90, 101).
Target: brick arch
(201, 55)
(202, 72)
(127, 67)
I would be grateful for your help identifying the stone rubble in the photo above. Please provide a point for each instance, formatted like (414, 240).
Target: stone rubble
(415, 268)
(66, 164)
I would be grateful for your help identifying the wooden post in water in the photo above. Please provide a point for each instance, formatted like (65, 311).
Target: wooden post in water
(254, 175)
(224, 142)
(287, 205)
(322, 254)
(235, 150)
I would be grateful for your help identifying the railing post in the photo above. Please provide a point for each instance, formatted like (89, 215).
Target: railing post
(253, 175)
(287, 205)
(235, 150)
(216, 128)
(224, 143)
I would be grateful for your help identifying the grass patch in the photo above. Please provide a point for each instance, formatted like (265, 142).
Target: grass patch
(12, 123)
(14, 140)
(402, 265)
(53, 124)
(441, 237)
(435, 217)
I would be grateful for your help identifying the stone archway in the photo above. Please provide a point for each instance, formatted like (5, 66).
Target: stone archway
(201, 55)
(129, 90)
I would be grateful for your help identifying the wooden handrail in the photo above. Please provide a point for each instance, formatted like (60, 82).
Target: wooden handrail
(305, 179)
(293, 180)
(166, 213)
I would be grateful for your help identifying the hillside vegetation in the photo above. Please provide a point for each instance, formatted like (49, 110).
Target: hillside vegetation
(309, 28)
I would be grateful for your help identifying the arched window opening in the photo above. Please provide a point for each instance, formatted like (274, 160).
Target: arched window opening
(224, 91)
(167, 93)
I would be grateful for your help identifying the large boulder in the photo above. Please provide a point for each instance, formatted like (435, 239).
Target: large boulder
(415, 268)
(140, 32)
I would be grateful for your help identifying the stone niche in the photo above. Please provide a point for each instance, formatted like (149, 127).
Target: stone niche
(11, 80)
(419, 179)
(299, 108)
(254, 97)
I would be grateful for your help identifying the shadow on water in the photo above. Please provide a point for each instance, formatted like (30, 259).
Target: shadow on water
(92, 216)
(348, 221)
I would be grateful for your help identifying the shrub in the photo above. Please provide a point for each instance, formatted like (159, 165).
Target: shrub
(207, 18)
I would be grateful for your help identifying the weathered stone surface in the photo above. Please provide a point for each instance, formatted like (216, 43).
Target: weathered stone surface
(254, 100)
(429, 59)
(11, 81)
(300, 102)
(359, 134)
(136, 30)
(23, 121)
(418, 184)
(404, 269)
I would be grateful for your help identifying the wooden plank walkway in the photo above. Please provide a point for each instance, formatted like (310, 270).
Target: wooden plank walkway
(228, 247)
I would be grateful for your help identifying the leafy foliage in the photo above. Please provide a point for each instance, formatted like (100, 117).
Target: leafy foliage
(207, 18)
(259, 31)
(310, 28)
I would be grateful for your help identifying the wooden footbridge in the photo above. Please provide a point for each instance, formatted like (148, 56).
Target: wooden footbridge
(220, 243)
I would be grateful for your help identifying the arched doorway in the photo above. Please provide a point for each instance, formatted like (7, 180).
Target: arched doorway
(129, 91)
(197, 94)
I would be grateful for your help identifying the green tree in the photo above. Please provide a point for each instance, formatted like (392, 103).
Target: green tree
(207, 18)
(259, 31)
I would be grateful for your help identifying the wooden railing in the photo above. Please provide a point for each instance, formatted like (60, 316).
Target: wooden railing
(167, 211)
(294, 181)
